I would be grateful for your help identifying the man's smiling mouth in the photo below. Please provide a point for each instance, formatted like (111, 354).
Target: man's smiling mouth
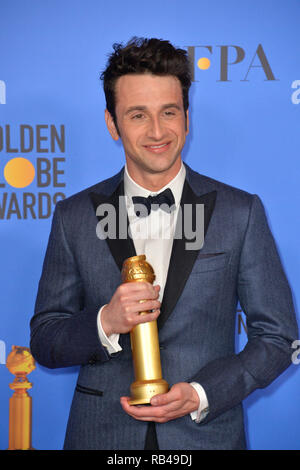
(157, 148)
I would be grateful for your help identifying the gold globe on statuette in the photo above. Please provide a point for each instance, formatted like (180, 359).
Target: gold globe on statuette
(144, 340)
(20, 363)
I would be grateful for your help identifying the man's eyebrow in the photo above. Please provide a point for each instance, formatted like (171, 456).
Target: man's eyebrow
(135, 108)
(144, 108)
(171, 105)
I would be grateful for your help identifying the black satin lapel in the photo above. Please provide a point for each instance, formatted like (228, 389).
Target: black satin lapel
(121, 246)
(182, 260)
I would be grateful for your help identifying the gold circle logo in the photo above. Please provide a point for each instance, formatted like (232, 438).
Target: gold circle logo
(19, 172)
(203, 63)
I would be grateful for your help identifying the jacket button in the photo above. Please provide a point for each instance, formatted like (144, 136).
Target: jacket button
(92, 360)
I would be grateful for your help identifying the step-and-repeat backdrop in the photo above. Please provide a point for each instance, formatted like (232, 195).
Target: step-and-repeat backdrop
(245, 127)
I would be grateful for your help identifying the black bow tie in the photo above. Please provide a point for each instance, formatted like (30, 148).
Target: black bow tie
(164, 200)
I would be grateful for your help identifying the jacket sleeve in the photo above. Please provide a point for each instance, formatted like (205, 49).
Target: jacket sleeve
(266, 300)
(63, 329)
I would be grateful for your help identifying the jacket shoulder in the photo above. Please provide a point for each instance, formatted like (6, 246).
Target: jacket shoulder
(205, 184)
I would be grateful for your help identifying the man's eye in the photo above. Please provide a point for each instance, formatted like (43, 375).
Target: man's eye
(169, 113)
(137, 116)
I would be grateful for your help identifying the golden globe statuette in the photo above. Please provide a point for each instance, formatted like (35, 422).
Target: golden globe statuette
(20, 363)
(144, 341)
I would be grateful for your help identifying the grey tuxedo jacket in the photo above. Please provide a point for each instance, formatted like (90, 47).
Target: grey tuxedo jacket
(238, 262)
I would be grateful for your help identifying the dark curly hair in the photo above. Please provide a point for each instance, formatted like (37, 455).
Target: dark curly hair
(142, 55)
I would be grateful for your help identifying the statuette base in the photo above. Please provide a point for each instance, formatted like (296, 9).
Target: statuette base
(143, 390)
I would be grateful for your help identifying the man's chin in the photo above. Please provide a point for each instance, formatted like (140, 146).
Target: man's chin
(162, 166)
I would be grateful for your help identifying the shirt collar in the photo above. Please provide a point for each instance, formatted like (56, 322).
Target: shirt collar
(131, 188)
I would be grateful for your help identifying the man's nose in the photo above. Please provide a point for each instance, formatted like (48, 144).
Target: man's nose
(156, 129)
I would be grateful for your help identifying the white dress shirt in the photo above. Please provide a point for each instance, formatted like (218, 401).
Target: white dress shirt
(153, 237)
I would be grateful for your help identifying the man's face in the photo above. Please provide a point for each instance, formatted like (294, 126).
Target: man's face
(152, 124)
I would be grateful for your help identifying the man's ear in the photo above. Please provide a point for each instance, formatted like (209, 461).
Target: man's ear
(111, 125)
(187, 122)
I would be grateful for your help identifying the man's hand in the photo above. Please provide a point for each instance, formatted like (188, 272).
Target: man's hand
(121, 314)
(180, 400)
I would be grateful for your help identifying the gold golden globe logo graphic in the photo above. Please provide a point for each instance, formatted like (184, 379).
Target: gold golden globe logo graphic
(19, 172)
(30, 184)
(203, 63)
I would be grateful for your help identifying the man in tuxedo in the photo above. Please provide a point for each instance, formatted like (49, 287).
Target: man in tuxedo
(84, 314)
